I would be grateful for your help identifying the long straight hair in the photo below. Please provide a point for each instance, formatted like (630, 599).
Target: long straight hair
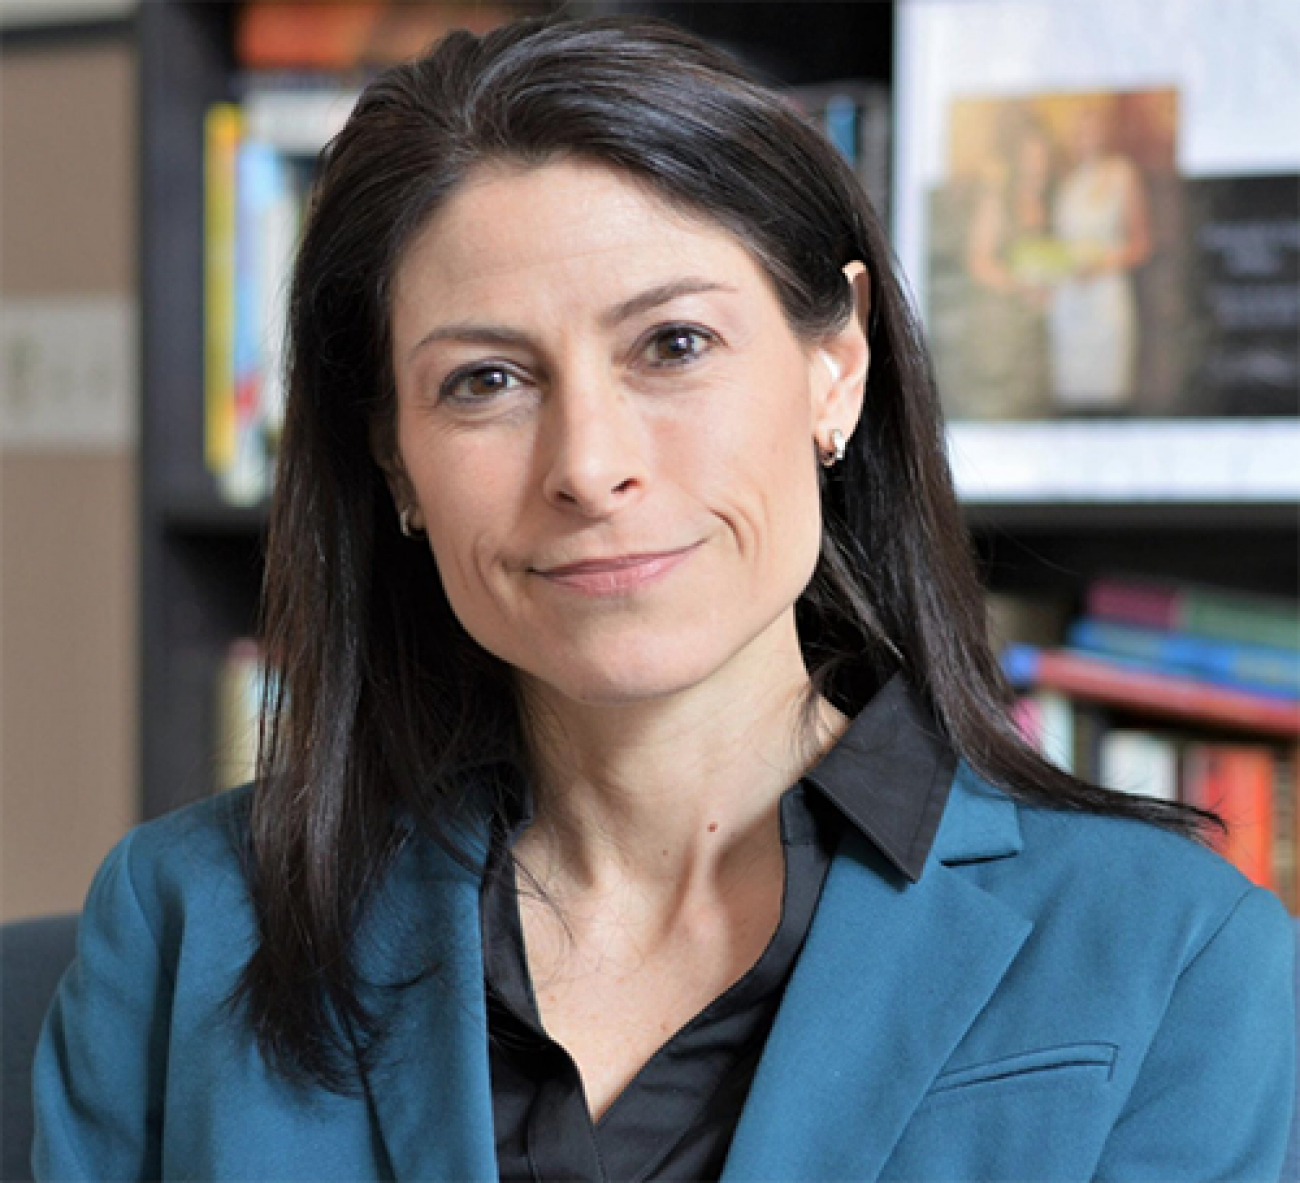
(382, 706)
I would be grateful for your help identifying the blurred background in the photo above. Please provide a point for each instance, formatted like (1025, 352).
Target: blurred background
(1097, 210)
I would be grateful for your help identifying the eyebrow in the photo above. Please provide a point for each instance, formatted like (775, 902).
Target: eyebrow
(482, 334)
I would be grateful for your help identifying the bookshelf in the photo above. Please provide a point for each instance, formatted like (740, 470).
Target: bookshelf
(202, 556)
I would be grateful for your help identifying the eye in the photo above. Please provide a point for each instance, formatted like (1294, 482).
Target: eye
(678, 344)
(479, 384)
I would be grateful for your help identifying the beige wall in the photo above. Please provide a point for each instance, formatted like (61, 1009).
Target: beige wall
(68, 783)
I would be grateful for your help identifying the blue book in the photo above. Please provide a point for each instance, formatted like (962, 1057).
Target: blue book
(1237, 664)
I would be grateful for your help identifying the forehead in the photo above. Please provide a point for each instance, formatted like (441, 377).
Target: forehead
(568, 226)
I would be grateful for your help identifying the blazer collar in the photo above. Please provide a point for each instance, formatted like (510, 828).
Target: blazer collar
(890, 979)
(430, 1095)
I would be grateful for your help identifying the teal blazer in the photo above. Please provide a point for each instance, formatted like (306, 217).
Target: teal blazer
(1060, 996)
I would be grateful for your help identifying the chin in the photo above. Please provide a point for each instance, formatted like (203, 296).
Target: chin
(625, 674)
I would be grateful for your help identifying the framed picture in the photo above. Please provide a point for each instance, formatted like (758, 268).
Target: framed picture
(1098, 209)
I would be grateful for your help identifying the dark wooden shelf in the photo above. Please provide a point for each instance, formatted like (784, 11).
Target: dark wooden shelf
(203, 517)
(1184, 517)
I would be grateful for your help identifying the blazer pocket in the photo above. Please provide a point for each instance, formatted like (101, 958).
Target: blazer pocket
(1093, 1059)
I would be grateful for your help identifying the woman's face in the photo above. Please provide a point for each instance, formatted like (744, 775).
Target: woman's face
(584, 377)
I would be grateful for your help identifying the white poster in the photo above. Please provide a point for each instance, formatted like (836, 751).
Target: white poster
(1097, 207)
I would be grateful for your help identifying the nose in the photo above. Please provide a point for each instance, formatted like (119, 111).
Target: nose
(595, 449)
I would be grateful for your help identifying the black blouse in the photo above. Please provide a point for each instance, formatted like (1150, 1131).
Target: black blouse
(676, 1118)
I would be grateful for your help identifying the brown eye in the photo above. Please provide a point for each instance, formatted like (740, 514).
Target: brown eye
(677, 344)
(480, 385)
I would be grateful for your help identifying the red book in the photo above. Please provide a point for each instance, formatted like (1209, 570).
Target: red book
(1133, 603)
(1236, 781)
(344, 34)
(1167, 695)
(1286, 827)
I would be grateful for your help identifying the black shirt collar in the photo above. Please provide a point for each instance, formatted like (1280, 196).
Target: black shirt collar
(889, 774)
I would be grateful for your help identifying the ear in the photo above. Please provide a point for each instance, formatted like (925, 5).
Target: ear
(841, 363)
(383, 449)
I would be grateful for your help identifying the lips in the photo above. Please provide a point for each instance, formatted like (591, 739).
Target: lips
(614, 562)
(616, 575)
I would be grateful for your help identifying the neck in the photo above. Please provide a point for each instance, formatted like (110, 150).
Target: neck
(676, 795)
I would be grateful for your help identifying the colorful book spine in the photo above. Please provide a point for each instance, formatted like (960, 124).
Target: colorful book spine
(1286, 827)
(266, 235)
(255, 199)
(1262, 668)
(222, 129)
(244, 481)
(1046, 719)
(1231, 616)
(342, 34)
(1237, 782)
(1111, 681)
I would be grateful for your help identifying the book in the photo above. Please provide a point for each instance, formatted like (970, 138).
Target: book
(1140, 763)
(239, 690)
(1110, 681)
(1286, 827)
(1196, 610)
(256, 202)
(344, 34)
(266, 237)
(1263, 668)
(222, 130)
(1237, 782)
(1046, 720)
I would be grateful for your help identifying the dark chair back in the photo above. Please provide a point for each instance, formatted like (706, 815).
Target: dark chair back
(33, 956)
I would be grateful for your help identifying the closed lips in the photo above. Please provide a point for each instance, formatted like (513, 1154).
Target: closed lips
(614, 563)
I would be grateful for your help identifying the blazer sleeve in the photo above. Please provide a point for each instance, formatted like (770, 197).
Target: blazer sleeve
(97, 1079)
(1213, 1099)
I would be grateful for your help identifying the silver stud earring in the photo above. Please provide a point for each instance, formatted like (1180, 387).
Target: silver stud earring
(404, 521)
(835, 453)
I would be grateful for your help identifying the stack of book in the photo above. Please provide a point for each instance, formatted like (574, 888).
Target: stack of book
(1183, 693)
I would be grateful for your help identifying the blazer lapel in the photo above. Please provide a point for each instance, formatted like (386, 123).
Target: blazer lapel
(892, 975)
(431, 1095)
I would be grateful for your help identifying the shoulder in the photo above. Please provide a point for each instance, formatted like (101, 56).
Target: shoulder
(166, 870)
(1106, 887)
(1132, 887)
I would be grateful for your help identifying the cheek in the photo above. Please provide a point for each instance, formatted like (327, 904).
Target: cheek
(466, 504)
(759, 470)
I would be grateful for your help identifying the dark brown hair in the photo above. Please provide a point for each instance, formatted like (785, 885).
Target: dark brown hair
(382, 706)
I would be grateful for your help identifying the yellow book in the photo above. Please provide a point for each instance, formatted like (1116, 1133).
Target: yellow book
(222, 129)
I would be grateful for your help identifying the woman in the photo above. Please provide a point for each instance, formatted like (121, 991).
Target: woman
(628, 808)
(1100, 214)
(1013, 258)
